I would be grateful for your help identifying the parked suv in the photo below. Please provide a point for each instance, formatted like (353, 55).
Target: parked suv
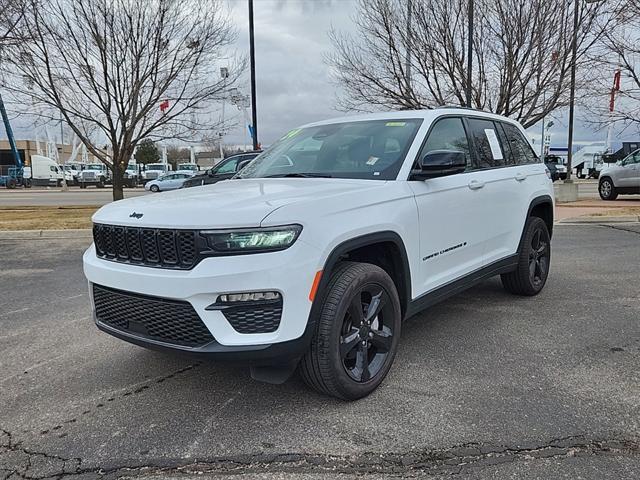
(622, 177)
(315, 253)
(224, 170)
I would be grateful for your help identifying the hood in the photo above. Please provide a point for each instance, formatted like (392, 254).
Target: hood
(229, 204)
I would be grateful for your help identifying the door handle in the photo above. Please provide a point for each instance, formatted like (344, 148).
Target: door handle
(475, 184)
(520, 177)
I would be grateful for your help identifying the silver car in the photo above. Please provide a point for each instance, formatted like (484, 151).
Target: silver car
(168, 181)
(623, 177)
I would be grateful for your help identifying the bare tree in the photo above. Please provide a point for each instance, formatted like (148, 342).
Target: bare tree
(123, 70)
(521, 48)
(618, 101)
(12, 12)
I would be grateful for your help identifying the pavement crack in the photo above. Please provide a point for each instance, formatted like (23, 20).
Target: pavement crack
(32, 465)
(139, 388)
(620, 227)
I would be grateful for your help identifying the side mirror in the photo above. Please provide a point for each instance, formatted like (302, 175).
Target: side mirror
(440, 163)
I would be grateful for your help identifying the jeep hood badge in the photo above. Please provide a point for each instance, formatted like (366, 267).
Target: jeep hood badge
(136, 215)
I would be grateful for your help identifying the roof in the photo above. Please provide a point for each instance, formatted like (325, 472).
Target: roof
(430, 115)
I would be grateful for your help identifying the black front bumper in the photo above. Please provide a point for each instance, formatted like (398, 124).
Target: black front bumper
(271, 354)
(171, 325)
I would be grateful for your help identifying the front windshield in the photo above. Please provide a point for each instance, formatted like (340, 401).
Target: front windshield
(155, 167)
(94, 167)
(372, 149)
(193, 168)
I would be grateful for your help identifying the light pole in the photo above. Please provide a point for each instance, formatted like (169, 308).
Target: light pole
(252, 57)
(224, 73)
(572, 88)
(572, 85)
(408, 65)
(469, 53)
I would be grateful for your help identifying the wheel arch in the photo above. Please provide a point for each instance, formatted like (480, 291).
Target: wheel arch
(541, 207)
(385, 249)
(606, 177)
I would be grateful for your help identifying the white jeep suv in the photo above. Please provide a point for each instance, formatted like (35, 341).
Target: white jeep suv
(316, 252)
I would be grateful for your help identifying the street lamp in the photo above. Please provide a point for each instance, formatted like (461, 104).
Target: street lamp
(224, 74)
(469, 53)
(572, 86)
(252, 58)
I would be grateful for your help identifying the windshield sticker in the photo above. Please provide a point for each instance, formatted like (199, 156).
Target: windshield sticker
(372, 160)
(493, 143)
(292, 133)
(395, 124)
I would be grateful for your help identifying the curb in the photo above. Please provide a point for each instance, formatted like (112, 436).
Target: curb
(603, 219)
(44, 234)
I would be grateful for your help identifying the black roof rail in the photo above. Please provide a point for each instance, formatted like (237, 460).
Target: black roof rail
(460, 107)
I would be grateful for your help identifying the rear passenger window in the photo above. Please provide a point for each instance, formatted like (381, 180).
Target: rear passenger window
(447, 134)
(520, 148)
(487, 145)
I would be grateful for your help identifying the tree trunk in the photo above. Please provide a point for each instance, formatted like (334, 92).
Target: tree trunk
(117, 180)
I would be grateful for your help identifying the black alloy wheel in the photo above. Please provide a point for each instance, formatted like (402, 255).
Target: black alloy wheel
(357, 332)
(534, 260)
(538, 258)
(366, 337)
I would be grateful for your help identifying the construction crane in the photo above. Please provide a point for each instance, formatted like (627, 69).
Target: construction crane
(14, 175)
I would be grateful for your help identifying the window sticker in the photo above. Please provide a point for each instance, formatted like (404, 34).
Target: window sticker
(493, 143)
(395, 124)
(292, 133)
(372, 160)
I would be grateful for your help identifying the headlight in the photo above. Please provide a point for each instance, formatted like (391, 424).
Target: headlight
(252, 240)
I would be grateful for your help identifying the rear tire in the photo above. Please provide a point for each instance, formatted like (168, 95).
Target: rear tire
(607, 190)
(356, 335)
(534, 259)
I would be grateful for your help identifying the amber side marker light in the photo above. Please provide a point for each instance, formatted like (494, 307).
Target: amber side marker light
(315, 284)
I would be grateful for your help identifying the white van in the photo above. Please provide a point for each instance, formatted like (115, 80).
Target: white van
(44, 171)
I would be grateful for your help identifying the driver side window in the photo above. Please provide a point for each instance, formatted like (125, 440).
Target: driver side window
(228, 167)
(447, 134)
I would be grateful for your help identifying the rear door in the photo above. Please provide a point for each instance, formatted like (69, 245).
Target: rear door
(451, 210)
(502, 166)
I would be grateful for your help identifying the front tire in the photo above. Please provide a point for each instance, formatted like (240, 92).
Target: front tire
(607, 190)
(356, 335)
(154, 188)
(534, 260)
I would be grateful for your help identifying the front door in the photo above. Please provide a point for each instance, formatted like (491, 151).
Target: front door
(628, 176)
(451, 212)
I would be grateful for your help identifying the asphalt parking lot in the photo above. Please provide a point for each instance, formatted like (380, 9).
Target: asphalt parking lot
(485, 385)
(42, 196)
(56, 197)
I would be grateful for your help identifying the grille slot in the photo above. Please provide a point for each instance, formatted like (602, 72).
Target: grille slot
(163, 248)
(254, 318)
(169, 321)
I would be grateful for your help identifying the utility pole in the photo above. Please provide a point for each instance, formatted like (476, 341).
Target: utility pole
(224, 73)
(470, 53)
(544, 102)
(252, 57)
(572, 88)
(408, 65)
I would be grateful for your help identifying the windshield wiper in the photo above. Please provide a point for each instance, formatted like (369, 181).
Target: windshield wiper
(299, 175)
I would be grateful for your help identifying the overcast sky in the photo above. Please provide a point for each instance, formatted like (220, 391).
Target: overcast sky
(293, 82)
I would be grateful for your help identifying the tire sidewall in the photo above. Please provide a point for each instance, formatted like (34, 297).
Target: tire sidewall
(533, 225)
(611, 191)
(345, 384)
